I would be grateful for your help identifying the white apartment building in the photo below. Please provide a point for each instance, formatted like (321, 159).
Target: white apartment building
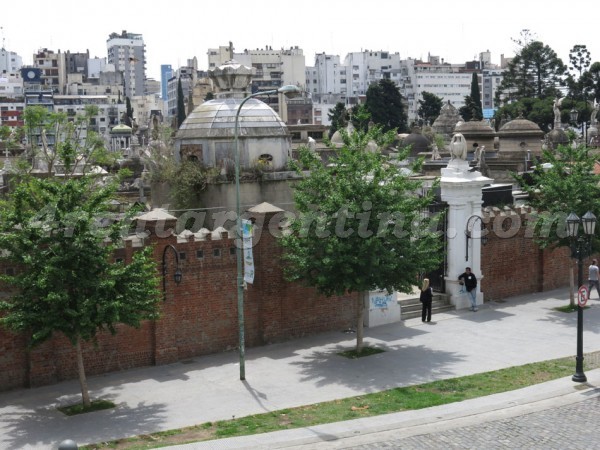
(127, 53)
(330, 81)
(326, 82)
(273, 68)
(366, 67)
(11, 85)
(10, 62)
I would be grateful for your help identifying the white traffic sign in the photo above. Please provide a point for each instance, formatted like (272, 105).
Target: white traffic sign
(582, 295)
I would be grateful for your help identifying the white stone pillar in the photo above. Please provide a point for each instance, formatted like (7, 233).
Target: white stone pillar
(462, 190)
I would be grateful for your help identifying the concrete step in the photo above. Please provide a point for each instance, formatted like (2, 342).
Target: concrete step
(410, 307)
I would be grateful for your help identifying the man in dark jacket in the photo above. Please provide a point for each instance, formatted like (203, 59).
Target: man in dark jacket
(470, 282)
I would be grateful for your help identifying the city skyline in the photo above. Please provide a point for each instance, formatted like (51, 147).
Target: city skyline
(455, 32)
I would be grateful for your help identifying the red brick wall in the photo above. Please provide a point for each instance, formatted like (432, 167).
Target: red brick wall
(511, 262)
(199, 316)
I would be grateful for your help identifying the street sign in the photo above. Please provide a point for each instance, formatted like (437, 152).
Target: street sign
(582, 296)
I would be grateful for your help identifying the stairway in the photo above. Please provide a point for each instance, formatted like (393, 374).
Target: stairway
(410, 306)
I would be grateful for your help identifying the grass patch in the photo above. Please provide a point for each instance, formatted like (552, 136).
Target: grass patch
(365, 351)
(393, 400)
(96, 405)
(568, 308)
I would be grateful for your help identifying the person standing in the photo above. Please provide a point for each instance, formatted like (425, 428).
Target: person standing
(468, 279)
(426, 298)
(593, 279)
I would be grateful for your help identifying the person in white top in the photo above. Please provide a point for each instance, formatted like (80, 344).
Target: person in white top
(593, 277)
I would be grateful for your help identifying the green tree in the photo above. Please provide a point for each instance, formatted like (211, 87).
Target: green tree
(384, 103)
(592, 81)
(128, 113)
(429, 107)
(360, 117)
(562, 183)
(535, 71)
(338, 116)
(477, 111)
(66, 280)
(467, 110)
(537, 110)
(49, 132)
(209, 96)
(360, 225)
(180, 104)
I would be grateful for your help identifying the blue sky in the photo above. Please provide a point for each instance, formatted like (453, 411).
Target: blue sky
(456, 31)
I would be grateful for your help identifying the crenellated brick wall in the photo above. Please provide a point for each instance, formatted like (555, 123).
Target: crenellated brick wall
(198, 317)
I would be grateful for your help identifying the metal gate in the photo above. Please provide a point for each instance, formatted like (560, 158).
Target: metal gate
(437, 276)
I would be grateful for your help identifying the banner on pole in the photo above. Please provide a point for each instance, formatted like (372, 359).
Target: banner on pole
(247, 251)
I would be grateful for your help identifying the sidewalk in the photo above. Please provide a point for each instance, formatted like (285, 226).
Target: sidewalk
(306, 371)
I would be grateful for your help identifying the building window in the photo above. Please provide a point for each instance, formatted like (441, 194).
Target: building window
(199, 254)
(216, 252)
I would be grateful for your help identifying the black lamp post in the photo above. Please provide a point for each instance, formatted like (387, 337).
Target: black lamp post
(574, 115)
(581, 247)
(177, 276)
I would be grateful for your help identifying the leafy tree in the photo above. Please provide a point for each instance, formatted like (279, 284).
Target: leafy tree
(562, 183)
(49, 133)
(360, 117)
(579, 80)
(189, 179)
(526, 37)
(384, 103)
(537, 110)
(209, 96)
(579, 57)
(180, 104)
(338, 118)
(535, 71)
(592, 81)
(429, 107)
(360, 225)
(66, 280)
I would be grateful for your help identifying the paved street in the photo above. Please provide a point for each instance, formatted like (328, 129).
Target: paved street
(574, 426)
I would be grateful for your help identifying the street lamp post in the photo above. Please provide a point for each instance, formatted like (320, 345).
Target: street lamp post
(289, 91)
(574, 115)
(581, 247)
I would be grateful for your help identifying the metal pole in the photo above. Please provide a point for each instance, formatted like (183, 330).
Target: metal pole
(289, 90)
(579, 376)
(238, 253)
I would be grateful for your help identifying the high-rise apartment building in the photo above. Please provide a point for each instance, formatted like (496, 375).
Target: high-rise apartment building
(127, 52)
(166, 72)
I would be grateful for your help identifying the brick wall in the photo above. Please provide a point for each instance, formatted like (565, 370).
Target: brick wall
(198, 317)
(511, 262)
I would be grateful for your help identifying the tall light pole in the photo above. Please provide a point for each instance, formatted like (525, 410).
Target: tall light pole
(574, 115)
(580, 248)
(288, 90)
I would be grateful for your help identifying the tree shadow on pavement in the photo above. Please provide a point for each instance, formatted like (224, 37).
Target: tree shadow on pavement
(45, 428)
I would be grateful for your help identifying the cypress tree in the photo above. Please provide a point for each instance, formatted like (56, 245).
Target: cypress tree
(180, 104)
(477, 112)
